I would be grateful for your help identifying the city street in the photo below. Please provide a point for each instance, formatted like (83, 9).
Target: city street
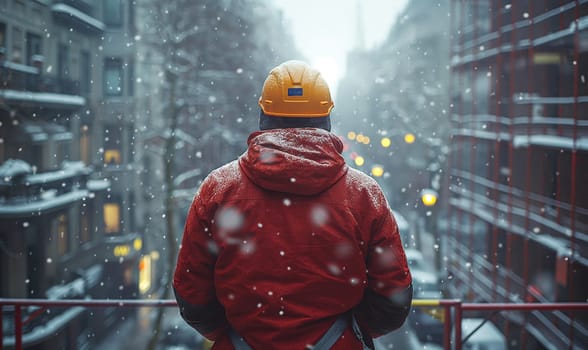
(134, 333)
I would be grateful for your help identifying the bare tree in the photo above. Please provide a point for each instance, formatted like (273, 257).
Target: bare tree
(207, 59)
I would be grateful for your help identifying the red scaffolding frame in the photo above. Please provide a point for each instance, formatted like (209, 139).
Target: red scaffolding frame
(506, 40)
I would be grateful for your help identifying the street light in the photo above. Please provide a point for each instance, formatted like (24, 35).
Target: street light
(362, 139)
(359, 160)
(429, 197)
(409, 138)
(385, 142)
(377, 170)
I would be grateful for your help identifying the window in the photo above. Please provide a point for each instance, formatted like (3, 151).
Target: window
(17, 41)
(63, 62)
(34, 47)
(112, 145)
(113, 77)
(61, 234)
(85, 232)
(41, 159)
(112, 217)
(2, 35)
(131, 24)
(112, 156)
(85, 144)
(85, 72)
(113, 13)
(131, 149)
(131, 78)
(62, 151)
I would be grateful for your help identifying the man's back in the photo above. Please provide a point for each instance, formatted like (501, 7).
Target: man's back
(287, 263)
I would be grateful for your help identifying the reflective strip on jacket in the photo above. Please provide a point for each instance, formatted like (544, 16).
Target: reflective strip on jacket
(280, 242)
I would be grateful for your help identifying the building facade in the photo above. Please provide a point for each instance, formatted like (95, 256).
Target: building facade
(518, 198)
(67, 188)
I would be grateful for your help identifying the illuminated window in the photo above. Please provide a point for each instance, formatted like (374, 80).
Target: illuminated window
(111, 218)
(145, 274)
(113, 144)
(128, 276)
(85, 145)
(112, 156)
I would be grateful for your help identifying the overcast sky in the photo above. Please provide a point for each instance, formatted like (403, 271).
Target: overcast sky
(325, 30)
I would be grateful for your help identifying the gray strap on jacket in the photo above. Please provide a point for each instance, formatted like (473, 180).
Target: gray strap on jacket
(359, 333)
(325, 343)
(238, 341)
(329, 338)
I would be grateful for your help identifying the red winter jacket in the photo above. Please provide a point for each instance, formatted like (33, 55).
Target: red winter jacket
(280, 242)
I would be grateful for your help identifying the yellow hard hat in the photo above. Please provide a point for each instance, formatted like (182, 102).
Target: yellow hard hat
(295, 89)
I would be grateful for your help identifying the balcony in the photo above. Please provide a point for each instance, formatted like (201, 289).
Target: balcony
(78, 18)
(23, 193)
(26, 86)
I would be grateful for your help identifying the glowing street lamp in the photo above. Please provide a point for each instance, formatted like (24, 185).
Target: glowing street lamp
(429, 197)
(409, 138)
(359, 160)
(385, 142)
(377, 171)
(351, 135)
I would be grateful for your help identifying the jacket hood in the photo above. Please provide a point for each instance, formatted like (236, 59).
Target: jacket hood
(303, 161)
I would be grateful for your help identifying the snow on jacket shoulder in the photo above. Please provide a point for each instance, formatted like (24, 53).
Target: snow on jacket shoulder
(283, 240)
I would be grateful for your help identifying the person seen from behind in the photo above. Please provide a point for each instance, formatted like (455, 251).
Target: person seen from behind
(287, 247)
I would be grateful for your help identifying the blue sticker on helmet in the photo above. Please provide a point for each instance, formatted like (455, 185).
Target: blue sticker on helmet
(294, 91)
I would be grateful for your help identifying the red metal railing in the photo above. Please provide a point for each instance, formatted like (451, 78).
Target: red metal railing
(44, 304)
(453, 311)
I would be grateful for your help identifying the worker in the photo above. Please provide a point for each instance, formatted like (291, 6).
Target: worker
(287, 247)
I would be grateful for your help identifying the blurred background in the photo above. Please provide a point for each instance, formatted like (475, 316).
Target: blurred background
(471, 115)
